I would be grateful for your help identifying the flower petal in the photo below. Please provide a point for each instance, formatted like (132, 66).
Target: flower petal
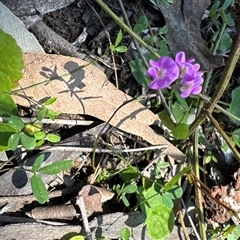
(152, 72)
(180, 58)
(196, 90)
(160, 83)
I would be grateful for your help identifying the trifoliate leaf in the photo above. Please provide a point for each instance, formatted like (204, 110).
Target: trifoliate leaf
(11, 63)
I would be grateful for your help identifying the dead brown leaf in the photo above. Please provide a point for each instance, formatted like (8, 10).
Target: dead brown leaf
(84, 89)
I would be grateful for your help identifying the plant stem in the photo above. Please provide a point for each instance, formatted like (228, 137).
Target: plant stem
(224, 135)
(125, 27)
(225, 78)
(201, 220)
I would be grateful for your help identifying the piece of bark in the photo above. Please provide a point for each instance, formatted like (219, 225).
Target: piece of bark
(183, 19)
(36, 231)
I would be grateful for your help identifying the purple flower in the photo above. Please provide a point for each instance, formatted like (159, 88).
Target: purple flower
(191, 82)
(164, 72)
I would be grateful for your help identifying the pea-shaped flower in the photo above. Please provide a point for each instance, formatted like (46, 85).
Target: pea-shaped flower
(164, 72)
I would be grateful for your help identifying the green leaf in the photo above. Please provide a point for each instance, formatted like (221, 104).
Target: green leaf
(27, 141)
(39, 143)
(56, 167)
(52, 114)
(180, 112)
(125, 234)
(16, 122)
(11, 63)
(6, 130)
(37, 163)
(234, 105)
(225, 43)
(119, 38)
(53, 138)
(129, 174)
(139, 72)
(181, 131)
(160, 216)
(13, 141)
(175, 178)
(167, 201)
(32, 128)
(39, 135)
(166, 120)
(112, 47)
(42, 113)
(163, 30)
(138, 28)
(7, 105)
(149, 198)
(121, 49)
(39, 189)
(163, 165)
(226, 4)
(229, 20)
(125, 201)
(143, 21)
(131, 188)
(50, 101)
(175, 192)
(77, 238)
(233, 233)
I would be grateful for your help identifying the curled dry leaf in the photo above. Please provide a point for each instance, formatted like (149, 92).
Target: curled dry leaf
(92, 199)
(82, 88)
(63, 212)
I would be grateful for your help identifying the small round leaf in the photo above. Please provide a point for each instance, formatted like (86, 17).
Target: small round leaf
(53, 138)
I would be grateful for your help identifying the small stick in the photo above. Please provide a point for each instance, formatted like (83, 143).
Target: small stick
(81, 204)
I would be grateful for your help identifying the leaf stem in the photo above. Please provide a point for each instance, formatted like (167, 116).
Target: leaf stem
(224, 135)
(225, 78)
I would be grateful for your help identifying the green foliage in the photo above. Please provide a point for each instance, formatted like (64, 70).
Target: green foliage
(181, 131)
(234, 234)
(16, 132)
(210, 157)
(7, 105)
(116, 47)
(10, 67)
(46, 112)
(77, 238)
(125, 234)
(160, 216)
(38, 187)
(129, 174)
(6, 130)
(234, 105)
(166, 3)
